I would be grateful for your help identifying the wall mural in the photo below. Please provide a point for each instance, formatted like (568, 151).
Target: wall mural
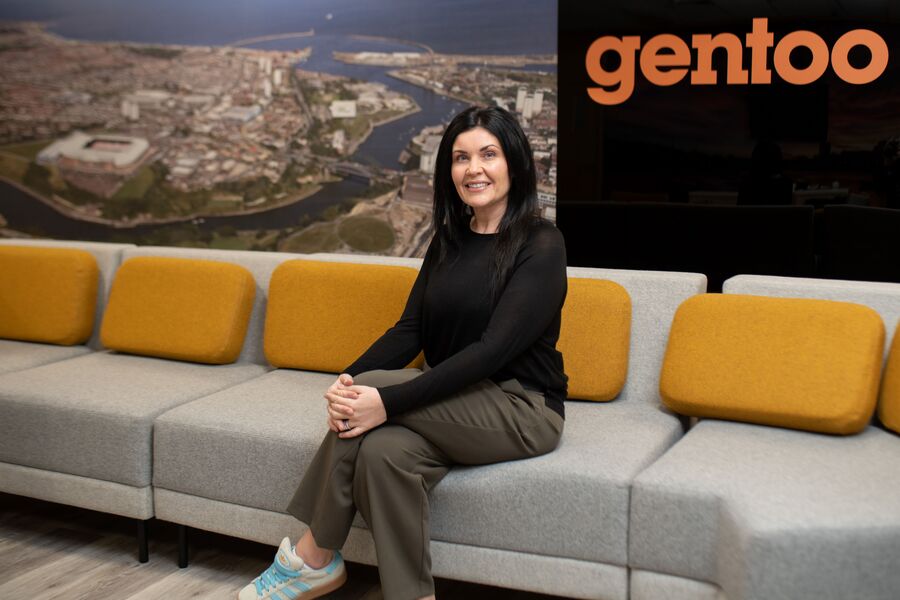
(264, 125)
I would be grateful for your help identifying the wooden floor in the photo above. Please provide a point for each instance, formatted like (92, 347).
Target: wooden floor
(51, 551)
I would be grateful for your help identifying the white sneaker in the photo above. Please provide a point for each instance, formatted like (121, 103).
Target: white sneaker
(289, 579)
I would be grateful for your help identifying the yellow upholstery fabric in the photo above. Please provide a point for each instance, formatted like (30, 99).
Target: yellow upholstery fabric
(47, 295)
(183, 309)
(789, 362)
(594, 338)
(322, 316)
(889, 404)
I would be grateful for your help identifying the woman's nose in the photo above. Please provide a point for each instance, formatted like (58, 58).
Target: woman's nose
(474, 166)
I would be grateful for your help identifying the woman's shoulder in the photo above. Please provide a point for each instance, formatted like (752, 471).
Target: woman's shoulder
(545, 233)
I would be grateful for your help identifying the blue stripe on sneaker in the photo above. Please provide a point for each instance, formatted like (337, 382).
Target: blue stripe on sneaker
(290, 592)
(334, 563)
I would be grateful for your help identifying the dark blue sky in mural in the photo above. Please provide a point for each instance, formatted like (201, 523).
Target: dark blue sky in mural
(464, 26)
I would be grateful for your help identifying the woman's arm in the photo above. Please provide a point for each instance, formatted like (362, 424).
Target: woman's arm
(400, 344)
(532, 298)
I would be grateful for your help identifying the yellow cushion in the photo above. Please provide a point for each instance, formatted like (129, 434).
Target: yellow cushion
(594, 338)
(47, 294)
(889, 404)
(322, 316)
(789, 362)
(184, 309)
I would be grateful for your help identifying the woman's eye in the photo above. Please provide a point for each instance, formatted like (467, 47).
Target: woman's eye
(490, 154)
(461, 157)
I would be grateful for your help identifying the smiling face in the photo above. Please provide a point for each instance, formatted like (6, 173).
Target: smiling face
(479, 172)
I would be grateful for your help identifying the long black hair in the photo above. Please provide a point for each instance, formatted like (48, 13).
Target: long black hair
(451, 217)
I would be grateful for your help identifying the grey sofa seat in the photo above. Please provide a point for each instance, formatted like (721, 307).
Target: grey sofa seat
(92, 416)
(571, 503)
(16, 355)
(250, 445)
(769, 513)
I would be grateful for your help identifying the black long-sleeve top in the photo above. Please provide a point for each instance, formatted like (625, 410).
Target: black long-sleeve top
(449, 316)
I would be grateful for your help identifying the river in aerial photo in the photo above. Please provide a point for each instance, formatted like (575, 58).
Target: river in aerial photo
(460, 27)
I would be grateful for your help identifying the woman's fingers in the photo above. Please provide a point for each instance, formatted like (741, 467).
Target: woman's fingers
(336, 425)
(341, 393)
(340, 400)
(337, 415)
(340, 403)
(352, 433)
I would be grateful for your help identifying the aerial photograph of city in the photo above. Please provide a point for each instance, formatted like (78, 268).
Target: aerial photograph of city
(298, 127)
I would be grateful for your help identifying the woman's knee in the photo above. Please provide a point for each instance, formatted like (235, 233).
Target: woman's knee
(387, 447)
(546, 437)
(376, 447)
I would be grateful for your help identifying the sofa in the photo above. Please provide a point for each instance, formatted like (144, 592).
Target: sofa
(629, 506)
(745, 510)
(79, 430)
(574, 501)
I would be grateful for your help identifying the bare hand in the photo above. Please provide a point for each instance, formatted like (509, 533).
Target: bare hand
(338, 412)
(367, 410)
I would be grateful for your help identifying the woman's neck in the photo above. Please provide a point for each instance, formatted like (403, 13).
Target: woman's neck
(486, 220)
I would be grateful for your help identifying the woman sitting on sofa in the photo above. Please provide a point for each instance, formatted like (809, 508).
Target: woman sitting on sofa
(485, 309)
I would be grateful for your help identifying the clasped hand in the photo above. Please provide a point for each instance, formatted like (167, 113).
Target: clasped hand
(353, 409)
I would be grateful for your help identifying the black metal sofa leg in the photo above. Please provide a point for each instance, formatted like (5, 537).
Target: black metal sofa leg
(143, 549)
(182, 546)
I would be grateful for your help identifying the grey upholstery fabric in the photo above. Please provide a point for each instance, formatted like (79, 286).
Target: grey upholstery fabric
(108, 256)
(647, 585)
(532, 571)
(16, 355)
(250, 444)
(93, 415)
(772, 513)
(366, 259)
(93, 494)
(572, 502)
(655, 295)
(884, 298)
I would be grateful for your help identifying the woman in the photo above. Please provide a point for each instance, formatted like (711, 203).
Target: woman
(485, 308)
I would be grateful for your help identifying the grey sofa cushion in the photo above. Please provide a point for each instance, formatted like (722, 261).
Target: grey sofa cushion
(250, 444)
(773, 513)
(16, 355)
(571, 503)
(93, 415)
(884, 298)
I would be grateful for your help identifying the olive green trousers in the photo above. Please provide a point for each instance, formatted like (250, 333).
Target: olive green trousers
(387, 472)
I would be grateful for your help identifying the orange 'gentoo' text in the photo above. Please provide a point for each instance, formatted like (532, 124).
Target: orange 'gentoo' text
(665, 59)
